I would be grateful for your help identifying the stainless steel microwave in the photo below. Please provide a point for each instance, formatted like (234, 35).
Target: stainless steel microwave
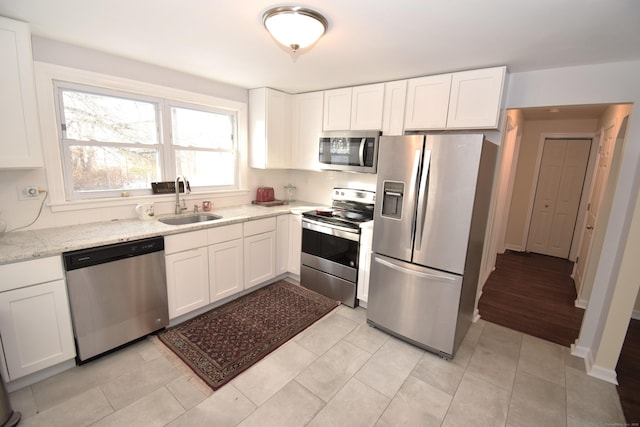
(355, 151)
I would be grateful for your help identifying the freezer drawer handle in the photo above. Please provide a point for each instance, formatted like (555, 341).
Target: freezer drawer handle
(412, 272)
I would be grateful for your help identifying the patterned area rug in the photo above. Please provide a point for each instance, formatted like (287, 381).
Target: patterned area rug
(220, 344)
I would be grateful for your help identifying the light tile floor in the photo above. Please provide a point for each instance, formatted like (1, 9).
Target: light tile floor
(339, 372)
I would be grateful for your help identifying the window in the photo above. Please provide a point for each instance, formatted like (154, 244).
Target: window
(115, 142)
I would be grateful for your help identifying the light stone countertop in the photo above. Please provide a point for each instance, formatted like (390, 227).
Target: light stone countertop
(25, 245)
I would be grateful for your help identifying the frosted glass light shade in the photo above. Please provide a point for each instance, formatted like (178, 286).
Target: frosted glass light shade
(294, 27)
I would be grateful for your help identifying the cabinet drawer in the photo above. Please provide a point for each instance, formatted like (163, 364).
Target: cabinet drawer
(259, 226)
(31, 272)
(185, 241)
(224, 234)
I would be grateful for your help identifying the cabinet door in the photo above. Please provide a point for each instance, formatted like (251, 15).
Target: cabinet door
(427, 102)
(19, 124)
(337, 109)
(36, 328)
(269, 129)
(259, 258)
(367, 103)
(307, 126)
(225, 269)
(282, 244)
(476, 96)
(295, 243)
(395, 99)
(187, 281)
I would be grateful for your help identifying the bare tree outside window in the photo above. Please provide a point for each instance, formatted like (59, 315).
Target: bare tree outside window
(113, 143)
(114, 132)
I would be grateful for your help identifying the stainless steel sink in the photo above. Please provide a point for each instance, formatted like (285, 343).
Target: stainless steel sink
(189, 219)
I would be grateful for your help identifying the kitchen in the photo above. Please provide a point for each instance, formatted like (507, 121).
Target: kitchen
(560, 86)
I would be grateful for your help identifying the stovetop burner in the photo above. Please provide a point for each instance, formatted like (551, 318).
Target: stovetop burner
(350, 208)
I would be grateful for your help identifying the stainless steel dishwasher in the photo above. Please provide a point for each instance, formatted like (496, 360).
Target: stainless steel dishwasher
(117, 293)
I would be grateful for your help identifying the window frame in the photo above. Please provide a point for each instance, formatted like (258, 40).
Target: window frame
(46, 74)
(166, 149)
(171, 157)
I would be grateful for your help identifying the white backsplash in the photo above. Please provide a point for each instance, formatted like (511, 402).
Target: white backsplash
(312, 187)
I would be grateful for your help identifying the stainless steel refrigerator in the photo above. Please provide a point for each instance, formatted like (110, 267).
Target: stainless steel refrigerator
(430, 218)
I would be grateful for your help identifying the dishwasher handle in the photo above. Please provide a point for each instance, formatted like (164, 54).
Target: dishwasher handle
(102, 254)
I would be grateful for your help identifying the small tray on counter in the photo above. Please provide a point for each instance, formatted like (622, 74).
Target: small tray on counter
(271, 203)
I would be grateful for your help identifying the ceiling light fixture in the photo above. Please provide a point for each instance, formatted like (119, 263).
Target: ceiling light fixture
(295, 27)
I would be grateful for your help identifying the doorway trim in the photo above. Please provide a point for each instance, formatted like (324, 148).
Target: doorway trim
(534, 181)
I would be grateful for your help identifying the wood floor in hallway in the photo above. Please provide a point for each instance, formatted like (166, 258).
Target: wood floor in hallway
(535, 294)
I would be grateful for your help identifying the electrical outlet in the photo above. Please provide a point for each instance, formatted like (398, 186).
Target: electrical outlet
(28, 192)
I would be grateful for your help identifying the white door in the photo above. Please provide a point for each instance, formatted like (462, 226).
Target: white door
(36, 328)
(605, 151)
(187, 281)
(259, 258)
(225, 269)
(555, 208)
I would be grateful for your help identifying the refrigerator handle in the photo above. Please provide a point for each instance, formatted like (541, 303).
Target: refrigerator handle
(414, 177)
(361, 151)
(422, 199)
(413, 272)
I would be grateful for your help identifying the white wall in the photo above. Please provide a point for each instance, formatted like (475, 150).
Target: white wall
(594, 84)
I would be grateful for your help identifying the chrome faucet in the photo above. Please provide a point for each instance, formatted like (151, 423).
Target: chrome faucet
(183, 206)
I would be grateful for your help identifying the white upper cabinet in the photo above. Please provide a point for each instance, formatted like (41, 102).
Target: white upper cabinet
(269, 129)
(20, 145)
(307, 126)
(464, 100)
(366, 107)
(354, 108)
(427, 102)
(395, 98)
(337, 109)
(475, 100)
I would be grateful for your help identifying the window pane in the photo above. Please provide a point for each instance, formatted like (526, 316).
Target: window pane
(112, 168)
(202, 129)
(206, 168)
(103, 118)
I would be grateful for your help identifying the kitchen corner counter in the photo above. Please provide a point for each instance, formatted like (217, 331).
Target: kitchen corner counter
(25, 245)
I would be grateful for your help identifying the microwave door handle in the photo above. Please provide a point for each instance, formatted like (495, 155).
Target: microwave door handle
(361, 151)
(422, 199)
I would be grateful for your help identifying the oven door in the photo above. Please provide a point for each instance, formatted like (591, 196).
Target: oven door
(330, 260)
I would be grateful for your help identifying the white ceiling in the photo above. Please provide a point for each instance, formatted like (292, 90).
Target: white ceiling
(367, 41)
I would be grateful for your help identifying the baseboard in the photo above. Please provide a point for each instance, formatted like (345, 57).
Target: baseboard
(42, 375)
(514, 248)
(476, 315)
(580, 303)
(583, 353)
(604, 374)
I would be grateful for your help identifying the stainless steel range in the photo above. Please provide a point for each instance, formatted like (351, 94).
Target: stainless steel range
(331, 242)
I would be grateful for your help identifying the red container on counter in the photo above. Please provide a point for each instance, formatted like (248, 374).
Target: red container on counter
(265, 194)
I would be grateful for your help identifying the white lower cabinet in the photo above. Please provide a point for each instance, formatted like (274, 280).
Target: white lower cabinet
(259, 251)
(35, 322)
(225, 269)
(187, 281)
(209, 265)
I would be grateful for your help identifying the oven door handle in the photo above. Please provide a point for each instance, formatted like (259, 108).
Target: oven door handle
(334, 230)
